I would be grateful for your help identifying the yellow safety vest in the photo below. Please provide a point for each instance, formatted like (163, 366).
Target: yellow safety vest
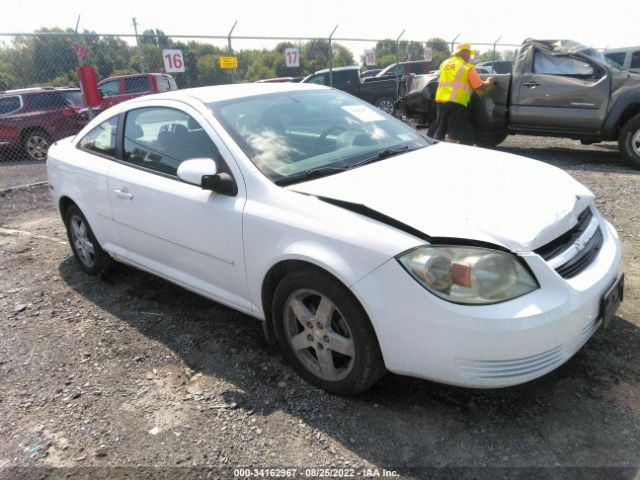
(454, 85)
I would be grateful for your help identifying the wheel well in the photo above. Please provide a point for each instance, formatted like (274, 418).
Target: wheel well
(629, 113)
(64, 204)
(25, 132)
(271, 280)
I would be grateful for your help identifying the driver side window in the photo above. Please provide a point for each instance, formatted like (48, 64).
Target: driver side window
(110, 89)
(160, 139)
(561, 65)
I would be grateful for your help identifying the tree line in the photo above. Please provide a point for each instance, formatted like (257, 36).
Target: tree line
(50, 60)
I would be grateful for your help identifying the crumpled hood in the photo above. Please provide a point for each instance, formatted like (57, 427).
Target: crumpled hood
(448, 190)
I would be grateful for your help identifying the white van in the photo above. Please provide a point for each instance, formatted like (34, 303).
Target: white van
(628, 58)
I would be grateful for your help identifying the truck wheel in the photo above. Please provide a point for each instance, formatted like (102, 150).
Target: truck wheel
(385, 104)
(629, 142)
(490, 140)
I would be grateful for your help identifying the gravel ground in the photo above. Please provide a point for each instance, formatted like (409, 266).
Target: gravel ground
(129, 376)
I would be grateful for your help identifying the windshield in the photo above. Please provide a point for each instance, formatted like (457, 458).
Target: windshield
(598, 55)
(286, 134)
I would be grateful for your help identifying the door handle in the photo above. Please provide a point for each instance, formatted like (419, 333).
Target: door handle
(532, 84)
(123, 193)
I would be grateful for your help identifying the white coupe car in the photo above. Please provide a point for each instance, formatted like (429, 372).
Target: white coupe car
(362, 244)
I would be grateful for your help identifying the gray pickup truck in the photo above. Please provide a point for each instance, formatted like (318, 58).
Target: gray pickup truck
(558, 88)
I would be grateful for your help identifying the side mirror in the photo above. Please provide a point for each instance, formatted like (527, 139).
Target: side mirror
(204, 173)
(192, 170)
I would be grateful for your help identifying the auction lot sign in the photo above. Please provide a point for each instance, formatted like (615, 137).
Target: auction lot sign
(228, 62)
(173, 60)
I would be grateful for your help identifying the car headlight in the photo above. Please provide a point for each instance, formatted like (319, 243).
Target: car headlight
(469, 275)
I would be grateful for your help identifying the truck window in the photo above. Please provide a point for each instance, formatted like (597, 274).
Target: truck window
(136, 84)
(110, 89)
(317, 79)
(163, 83)
(560, 65)
(617, 57)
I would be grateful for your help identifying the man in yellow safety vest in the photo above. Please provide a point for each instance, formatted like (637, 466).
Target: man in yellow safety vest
(458, 80)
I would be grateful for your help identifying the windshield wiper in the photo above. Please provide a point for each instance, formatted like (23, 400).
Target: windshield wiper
(308, 174)
(386, 153)
(324, 171)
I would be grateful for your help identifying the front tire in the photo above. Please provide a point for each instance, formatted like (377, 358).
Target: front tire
(325, 334)
(629, 142)
(386, 104)
(86, 249)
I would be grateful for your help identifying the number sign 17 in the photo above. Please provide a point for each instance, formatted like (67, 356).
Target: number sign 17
(291, 57)
(173, 60)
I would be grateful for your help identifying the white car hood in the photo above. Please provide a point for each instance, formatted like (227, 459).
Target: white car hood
(448, 190)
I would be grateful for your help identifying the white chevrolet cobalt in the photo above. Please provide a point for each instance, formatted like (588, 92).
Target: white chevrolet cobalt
(362, 244)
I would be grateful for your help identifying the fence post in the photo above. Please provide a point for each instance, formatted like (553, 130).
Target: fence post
(331, 58)
(230, 51)
(397, 62)
(135, 29)
(494, 51)
(454, 41)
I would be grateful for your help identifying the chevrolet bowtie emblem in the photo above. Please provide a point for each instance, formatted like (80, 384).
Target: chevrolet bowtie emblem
(580, 244)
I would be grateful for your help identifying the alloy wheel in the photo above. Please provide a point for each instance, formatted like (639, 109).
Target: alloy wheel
(319, 335)
(82, 245)
(37, 147)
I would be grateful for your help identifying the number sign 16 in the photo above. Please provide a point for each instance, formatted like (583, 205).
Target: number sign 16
(173, 60)
(291, 57)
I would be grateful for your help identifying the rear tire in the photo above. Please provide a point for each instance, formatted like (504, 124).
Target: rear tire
(325, 334)
(629, 142)
(86, 249)
(36, 144)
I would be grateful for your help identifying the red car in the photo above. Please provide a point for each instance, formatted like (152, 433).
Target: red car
(32, 118)
(118, 89)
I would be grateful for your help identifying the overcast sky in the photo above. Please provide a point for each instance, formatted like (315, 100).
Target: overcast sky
(613, 23)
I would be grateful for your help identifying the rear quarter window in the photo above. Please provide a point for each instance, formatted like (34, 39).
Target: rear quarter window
(9, 104)
(635, 59)
(102, 139)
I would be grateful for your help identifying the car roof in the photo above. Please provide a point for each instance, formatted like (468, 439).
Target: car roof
(26, 91)
(218, 93)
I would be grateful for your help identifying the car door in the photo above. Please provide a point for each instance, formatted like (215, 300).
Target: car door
(188, 235)
(561, 92)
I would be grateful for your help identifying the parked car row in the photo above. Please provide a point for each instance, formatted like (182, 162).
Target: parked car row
(32, 118)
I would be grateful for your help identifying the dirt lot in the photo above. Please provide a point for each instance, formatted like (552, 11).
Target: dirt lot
(132, 372)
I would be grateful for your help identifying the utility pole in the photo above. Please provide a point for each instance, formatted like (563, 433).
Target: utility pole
(331, 58)
(135, 28)
(230, 51)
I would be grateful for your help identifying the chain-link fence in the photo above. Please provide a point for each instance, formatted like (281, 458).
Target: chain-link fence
(41, 102)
